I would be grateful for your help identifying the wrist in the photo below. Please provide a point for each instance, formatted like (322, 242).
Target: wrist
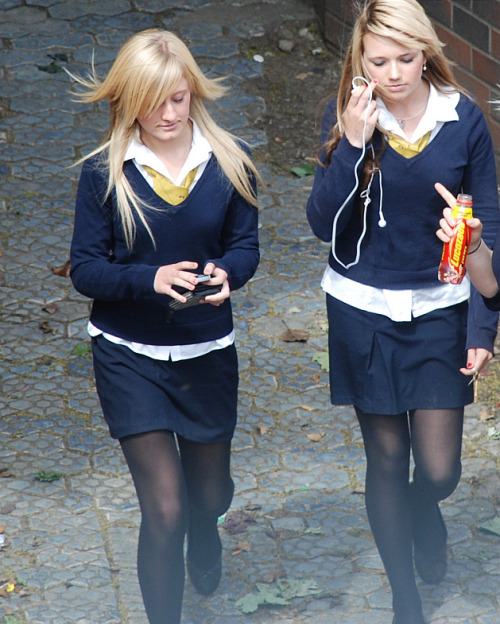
(475, 248)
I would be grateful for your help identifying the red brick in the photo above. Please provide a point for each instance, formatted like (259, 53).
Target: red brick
(476, 87)
(495, 43)
(457, 50)
(486, 68)
(438, 10)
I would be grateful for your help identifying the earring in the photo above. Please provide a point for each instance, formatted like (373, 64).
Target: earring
(425, 67)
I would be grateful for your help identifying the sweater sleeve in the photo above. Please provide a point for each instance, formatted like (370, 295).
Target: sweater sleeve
(493, 303)
(480, 181)
(333, 183)
(95, 270)
(240, 242)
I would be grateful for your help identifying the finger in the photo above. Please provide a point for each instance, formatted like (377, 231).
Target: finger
(358, 90)
(448, 197)
(447, 226)
(209, 268)
(443, 237)
(469, 372)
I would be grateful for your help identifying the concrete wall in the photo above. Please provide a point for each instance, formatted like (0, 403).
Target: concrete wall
(469, 28)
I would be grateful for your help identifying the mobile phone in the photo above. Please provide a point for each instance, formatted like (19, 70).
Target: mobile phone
(193, 297)
(203, 278)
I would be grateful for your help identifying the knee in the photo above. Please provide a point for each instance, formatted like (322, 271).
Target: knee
(166, 520)
(440, 482)
(213, 503)
(390, 465)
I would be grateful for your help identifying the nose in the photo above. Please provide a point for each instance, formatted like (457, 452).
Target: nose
(394, 72)
(167, 110)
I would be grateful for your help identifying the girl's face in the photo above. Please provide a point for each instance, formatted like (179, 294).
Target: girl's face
(397, 69)
(169, 122)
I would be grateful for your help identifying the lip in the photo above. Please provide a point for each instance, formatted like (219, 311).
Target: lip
(395, 88)
(168, 127)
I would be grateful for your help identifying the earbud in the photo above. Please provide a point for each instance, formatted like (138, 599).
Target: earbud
(382, 223)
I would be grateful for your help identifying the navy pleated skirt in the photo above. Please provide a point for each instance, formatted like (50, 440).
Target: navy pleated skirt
(194, 398)
(387, 367)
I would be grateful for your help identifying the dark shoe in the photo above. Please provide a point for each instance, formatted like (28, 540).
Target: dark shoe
(431, 566)
(205, 581)
(430, 549)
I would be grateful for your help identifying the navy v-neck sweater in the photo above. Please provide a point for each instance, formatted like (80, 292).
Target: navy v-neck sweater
(406, 253)
(214, 224)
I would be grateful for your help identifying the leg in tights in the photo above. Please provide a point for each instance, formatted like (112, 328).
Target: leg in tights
(436, 443)
(387, 448)
(154, 463)
(210, 491)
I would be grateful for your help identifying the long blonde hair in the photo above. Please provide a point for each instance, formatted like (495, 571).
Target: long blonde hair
(404, 22)
(146, 71)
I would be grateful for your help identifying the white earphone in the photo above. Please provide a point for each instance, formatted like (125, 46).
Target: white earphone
(366, 193)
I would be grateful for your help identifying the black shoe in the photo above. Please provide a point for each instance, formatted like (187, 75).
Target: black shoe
(430, 551)
(205, 581)
(431, 565)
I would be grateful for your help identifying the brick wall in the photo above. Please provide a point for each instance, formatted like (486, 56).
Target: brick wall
(469, 28)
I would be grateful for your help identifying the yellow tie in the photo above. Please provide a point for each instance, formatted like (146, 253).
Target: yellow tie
(405, 148)
(168, 190)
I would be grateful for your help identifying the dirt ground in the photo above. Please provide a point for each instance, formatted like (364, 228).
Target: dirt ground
(300, 75)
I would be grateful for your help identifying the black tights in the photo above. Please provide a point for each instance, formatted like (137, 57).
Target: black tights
(181, 488)
(434, 437)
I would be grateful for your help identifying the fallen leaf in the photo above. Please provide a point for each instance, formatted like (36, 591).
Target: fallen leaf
(46, 328)
(5, 473)
(253, 507)
(7, 509)
(51, 308)
(263, 429)
(237, 522)
(294, 335)
(47, 476)
(313, 531)
(51, 68)
(321, 357)
(240, 547)
(302, 76)
(273, 575)
(307, 407)
(63, 270)
(81, 349)
(59, 56)
(277, 140)
(493, 433)
(301, 171)
(278, 594)
(316, 437)
(493, 526)
(485, 414)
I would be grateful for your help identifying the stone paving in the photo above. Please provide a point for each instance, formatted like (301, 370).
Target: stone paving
(67, 546)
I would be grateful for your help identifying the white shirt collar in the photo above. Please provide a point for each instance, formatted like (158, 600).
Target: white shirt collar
(200, 153)
(441, 107)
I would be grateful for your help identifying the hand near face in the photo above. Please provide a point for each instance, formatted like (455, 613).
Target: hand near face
(361, 115)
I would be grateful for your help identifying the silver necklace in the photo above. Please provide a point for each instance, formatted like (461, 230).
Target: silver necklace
(402, 121)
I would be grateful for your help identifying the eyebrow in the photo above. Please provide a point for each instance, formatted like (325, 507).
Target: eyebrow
(379, 58)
